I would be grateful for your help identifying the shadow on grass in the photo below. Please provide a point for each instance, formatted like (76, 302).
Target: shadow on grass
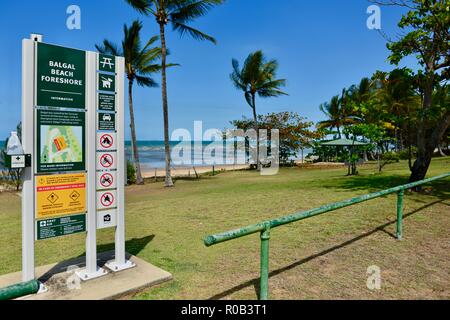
(373, 183)
(255, 282)
(133, 247)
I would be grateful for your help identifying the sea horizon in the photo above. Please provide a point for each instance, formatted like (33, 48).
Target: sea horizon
(152, 152)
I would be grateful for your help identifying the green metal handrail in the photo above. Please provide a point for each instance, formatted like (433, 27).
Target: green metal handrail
(19, 290)
(264, 227)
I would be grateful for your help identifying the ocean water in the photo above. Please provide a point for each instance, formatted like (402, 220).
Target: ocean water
(151, 153)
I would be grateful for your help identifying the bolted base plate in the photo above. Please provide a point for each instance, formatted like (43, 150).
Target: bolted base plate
(115, 267)
(85, 276)
(42, 288)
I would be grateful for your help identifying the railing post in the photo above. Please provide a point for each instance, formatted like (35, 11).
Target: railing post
(264, 281)
(400, 195)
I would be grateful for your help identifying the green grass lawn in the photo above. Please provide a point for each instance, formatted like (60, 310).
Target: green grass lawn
(324, 257)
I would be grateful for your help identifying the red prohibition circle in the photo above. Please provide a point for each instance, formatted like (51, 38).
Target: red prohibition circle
(106, 180)
(107, 199)
(106, 160)
(106, 141)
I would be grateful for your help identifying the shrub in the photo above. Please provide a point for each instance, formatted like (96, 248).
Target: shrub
(404, 154)
(131, 173)
(391, 157)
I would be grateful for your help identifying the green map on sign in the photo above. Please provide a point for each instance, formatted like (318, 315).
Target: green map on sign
(61, 144)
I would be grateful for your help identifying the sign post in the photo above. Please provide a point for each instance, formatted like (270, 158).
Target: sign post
(92, 270)
(111, 137)
(28, 61)
(73, 129)
(120, 263)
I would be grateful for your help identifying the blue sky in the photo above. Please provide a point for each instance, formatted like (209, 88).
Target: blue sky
(322, 47)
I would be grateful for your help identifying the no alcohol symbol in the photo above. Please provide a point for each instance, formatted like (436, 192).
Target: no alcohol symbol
(107, 199)
(106, 180)
(106, 161)
(106, 141)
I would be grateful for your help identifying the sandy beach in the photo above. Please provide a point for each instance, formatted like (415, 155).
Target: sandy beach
(190, 171)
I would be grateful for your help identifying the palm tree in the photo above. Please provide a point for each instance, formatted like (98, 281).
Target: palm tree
(140, 62)
(362, 94)
(396, 95)
(339, 113)
(179, 13)
(332, 111)
(257, 77)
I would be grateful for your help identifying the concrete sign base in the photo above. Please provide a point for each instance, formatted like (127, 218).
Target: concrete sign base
(64, 284)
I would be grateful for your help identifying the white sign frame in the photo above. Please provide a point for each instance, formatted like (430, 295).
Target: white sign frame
(28, 141)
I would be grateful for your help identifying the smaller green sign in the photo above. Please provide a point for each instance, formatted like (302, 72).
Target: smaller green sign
(17, 162)
(106, 82)
(106, 121)
(58, 227)
(107, 63)
(106, 102)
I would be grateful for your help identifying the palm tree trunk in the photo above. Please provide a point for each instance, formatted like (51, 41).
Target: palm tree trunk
(168, 181)
(339, 131)
(139, 179)
(396, 139)
(256, 127)
(409, 146)
(380, 168)
(424, 146)
(401, 140)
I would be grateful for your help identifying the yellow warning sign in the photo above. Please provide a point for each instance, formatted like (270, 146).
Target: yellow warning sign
(60, 195)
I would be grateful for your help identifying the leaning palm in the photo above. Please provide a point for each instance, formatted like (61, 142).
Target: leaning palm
(180, 13)
(140, 63)
(257, 77)
(338, 113)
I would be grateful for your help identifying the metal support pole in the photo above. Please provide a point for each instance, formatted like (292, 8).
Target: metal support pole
(28, 56)
(92, 271)
(400, 195)
(120, 263)
(91, 240)
(264, 280)
(120, 230)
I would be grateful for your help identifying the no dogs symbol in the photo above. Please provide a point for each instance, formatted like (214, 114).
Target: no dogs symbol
(107, 199)
(106, 180)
